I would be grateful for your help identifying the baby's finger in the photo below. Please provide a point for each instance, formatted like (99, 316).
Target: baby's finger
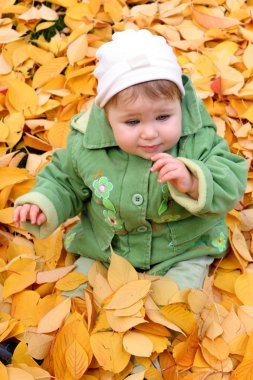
(161, 162)
(41, 219)
(34, 212)
(16, 215)
(24, 212)
(168, 176)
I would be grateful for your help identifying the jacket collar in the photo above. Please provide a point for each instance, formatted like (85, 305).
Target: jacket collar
(98, 133)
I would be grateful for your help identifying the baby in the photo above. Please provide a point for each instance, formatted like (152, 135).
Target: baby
(143, 167)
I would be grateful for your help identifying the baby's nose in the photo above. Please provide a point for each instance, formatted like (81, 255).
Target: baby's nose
(149, 132)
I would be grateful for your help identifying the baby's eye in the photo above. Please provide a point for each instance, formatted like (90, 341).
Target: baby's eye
(132, 122)
(162, 117)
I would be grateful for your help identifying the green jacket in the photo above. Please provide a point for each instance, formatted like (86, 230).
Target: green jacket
(121, 202)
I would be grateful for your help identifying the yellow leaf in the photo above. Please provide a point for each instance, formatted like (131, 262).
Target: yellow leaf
(128, 311)
(79, 11)
(120, 272)
(39, 55)
(53, 275)
(153, 374)
(238, 345)
(20, 355)
(122, 324)
(17, 282)
(154, 314)
(38, 345)
(184, 352)
(71, 281)
(114, 9)
(231, 79)
(21, 96)
(48, 14)
(243, 371)
(48, 71)
(242, 285)
(137, 344)
(3, 372)
(181, 315)
(37, 372)
(6, 215)
(76, 360)
(240, 244)
(8, 35)
(20, 311)
(226, 280)
(197, 300)
(43, 248)
(74, 329)
(15, 122)
(58, 134)
(160, 343)
(163, 289)
(245, 313)
(136, 376)
(214, 330)
(246, 33)
(109, 352)
(249, 114)
(217, 347)
(18, 374)
(232, 326)
(210, 21)
(77, 50)
(5, 68)
(101, 289)
(55, 317)
(247, 56)
(129, 294)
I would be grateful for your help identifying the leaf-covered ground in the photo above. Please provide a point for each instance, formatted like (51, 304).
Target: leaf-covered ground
(122, 319)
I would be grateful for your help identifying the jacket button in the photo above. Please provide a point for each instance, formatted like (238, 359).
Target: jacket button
(142, 229)
(137, 199)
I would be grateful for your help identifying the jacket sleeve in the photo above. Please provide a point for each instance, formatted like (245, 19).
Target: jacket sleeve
(222, 175)
(59, 191)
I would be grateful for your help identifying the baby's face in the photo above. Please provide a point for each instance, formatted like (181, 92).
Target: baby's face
(146, 127)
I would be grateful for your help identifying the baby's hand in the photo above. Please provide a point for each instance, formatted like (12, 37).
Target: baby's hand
(30, 212)
(174, 171)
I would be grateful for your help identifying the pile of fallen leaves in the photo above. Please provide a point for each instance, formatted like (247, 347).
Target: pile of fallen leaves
(122, 320)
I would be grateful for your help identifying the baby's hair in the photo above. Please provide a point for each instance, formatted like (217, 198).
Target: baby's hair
(152, 89)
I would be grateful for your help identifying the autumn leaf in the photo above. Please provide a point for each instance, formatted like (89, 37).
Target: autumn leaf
(109, 352)
(137, 344)
(129, 294)
(120, 272)
(54, 318)
(71, 281)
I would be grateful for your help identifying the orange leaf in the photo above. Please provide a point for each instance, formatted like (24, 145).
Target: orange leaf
(209, 21)
(55, 317)
(137, 344)
(49, 71)
(71, 281)
(120, 272)
(181, 315)
(53, 275)
(76, 360)
(242, 286)
(17, 282)
(109, 352)
(129, 294)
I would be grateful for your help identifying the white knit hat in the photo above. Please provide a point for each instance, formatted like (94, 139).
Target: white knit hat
(134, 57)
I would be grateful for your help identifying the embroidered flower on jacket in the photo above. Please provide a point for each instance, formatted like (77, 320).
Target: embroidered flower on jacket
(220, 242)
(102, 187)
(112, 219)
